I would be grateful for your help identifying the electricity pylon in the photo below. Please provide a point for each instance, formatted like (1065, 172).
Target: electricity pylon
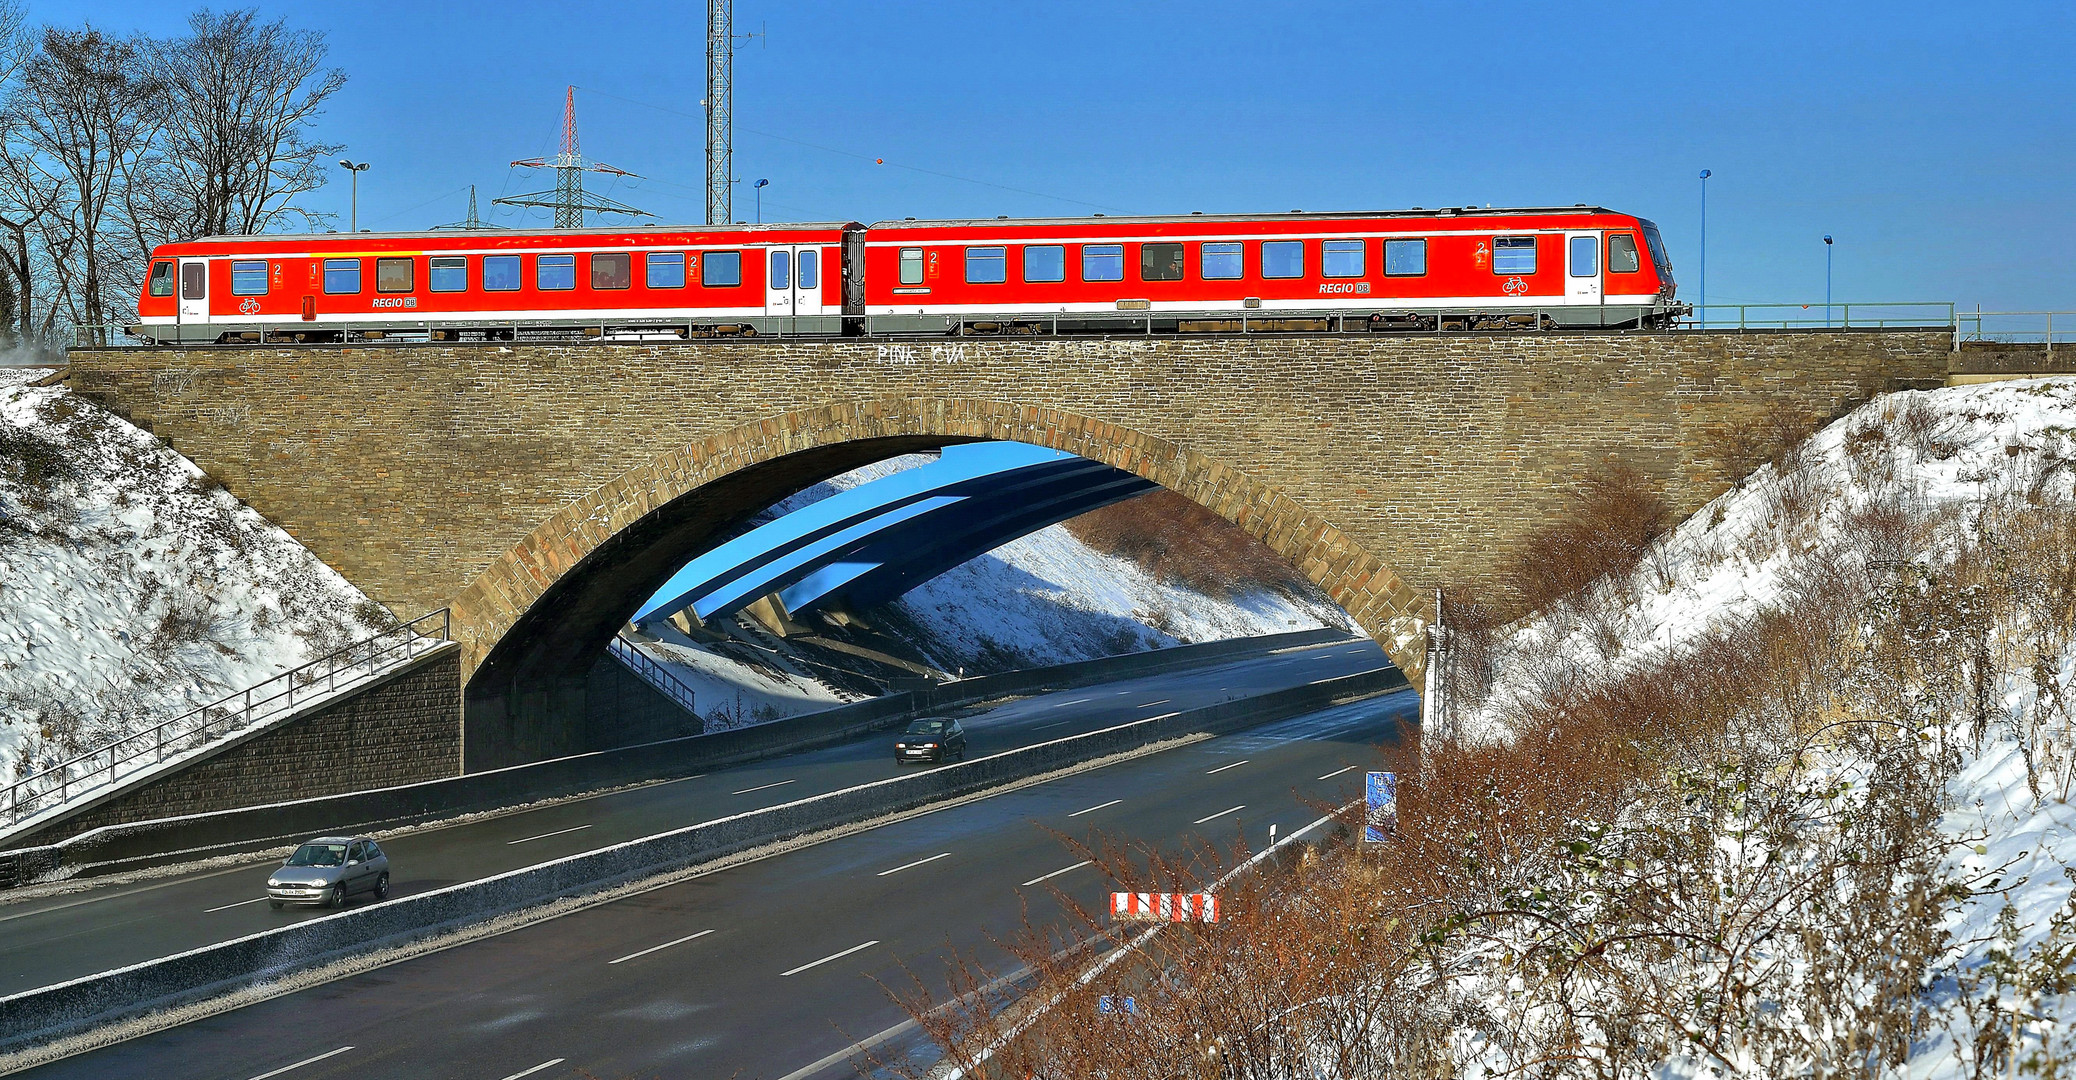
(720, 122)
(568, 199)
(472, 222)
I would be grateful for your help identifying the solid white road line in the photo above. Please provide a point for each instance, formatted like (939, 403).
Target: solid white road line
(545, 835)
(644, 952)
(1056, 873)
(538, 1068)
(1151, 704)
(819, 963)
(228, 907)
(910, 866)
(1234, 765)
(1338, 772)
(1219, 814)
(300, 1064)
(761, 787)
(1093, 809)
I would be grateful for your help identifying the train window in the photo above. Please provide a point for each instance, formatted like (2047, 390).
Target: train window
(161, 279)
(1621, 254)
(248, 279)
(1220, 262)
(987, 265)
(1405, 258)
(721, 268)
(554, 273)
(500, 273)
(395, 275)
(781, 269)
(341, 276)
(1045, 262)
(911, 266)
(810, 269)
(448, 273)
(1102, 262)
(1585, 256)
(1283, 258)
(615, 271)
(666, 269)
(1340, 258)
(1160, 262)
(1513, 254)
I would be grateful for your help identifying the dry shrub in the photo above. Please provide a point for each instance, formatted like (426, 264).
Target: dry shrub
(1740, 448)
(189, 619)
(1177, 540)
(1606, 523)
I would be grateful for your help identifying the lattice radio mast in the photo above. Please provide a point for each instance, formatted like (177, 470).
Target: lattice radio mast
(720, 120)
(568, 199)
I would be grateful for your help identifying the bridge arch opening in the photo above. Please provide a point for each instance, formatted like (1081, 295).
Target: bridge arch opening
(536, 621)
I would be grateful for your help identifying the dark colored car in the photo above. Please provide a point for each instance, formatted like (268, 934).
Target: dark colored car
(328, 870)
(933, 738)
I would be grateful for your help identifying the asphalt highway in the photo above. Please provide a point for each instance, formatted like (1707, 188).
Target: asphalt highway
(63, 937)
(765, 969)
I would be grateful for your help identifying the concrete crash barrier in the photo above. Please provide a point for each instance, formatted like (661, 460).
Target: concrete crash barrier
(54, 1012)
(256, 828)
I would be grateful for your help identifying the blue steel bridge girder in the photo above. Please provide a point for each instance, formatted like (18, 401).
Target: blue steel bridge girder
(873, 542)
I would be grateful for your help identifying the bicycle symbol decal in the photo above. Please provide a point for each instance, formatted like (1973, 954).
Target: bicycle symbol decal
(250, 306)
(1514, 286)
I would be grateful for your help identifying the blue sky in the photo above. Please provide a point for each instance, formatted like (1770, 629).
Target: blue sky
(1933, 140)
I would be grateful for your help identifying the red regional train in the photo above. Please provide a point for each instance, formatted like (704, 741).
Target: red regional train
(1450, 269)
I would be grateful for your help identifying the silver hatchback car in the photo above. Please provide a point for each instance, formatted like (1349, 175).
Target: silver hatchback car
(328, 870)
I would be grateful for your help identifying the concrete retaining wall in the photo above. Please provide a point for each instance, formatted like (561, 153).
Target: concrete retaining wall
(254, 828)
(54, 1011)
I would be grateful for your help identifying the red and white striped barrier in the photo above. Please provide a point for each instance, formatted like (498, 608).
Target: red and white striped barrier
(1164, 907)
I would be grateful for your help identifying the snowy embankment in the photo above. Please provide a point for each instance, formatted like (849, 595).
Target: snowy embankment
(1919, 480)
(1046, 598)
(132, 586)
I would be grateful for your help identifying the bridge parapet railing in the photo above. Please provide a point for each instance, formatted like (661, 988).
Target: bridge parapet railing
(1818, 316)
(358, 663)
(652, 672)
(2043, 328)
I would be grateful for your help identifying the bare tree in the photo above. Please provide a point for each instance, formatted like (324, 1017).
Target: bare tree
(239, 98)
(80, 118)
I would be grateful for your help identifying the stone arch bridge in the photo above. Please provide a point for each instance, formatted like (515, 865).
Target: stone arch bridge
(542, 491)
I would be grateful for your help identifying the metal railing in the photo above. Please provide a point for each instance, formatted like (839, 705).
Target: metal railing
(1923, 313)
(102, 766)
(652, 672)
(2014, 328)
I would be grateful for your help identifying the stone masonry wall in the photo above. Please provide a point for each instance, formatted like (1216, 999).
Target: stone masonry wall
(399, 731)
(1382, 466)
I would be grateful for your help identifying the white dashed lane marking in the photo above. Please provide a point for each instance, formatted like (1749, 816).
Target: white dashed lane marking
(826, 959)
(545, 835)
(543, 1065)
(1220, 814)
(1338, 772)
(228, 907)
(1095, 808)
(761, 787)
(645, 952)
(910, 866)
(1234, 765)
(305, 1061)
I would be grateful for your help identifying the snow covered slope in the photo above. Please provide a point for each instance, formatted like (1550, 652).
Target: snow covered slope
(1910, 477)
(133, 587)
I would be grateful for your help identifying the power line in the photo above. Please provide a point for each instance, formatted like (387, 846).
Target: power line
(864, 157)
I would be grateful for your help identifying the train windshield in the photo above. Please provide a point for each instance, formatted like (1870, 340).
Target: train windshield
(1659, 258)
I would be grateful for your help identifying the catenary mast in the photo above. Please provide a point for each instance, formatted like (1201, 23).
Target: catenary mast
(720, 123)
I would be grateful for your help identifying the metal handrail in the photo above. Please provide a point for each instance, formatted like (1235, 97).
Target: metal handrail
(1976, 326)
(103, 765)
(1858, 315)
(653, 673)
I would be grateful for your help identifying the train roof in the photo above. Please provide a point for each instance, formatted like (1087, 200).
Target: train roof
(434, 234)
(1580, 209)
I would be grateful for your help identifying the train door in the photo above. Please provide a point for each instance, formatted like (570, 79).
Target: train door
(781, 281)
(1582, 269)
(194, 291)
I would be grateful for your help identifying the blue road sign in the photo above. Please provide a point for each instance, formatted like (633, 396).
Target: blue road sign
(1381, 818)
(1108, 1005)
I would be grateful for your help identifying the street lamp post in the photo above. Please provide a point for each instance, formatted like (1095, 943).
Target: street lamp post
(353, 220)
(1827, 279)
(761, 185)
(1701, 307)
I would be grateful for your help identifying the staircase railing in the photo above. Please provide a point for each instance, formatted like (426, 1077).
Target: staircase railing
(652, 672)
(102, 766)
